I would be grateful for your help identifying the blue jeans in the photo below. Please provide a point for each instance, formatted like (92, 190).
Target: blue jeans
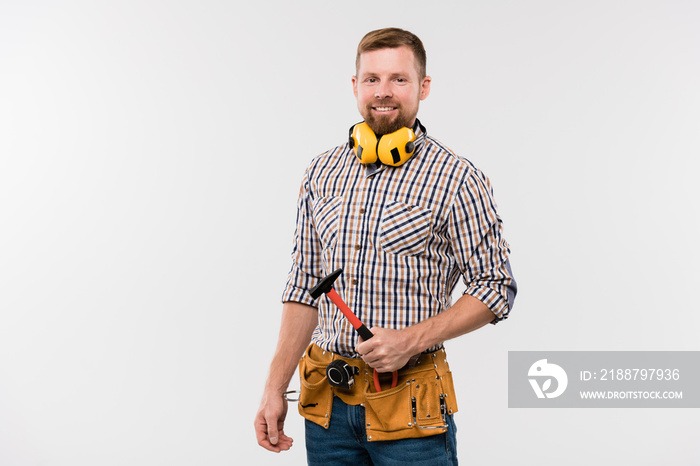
(345, 442)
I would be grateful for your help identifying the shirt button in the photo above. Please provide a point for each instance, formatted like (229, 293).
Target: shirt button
(362, 211)
(409, 208)
(354, 281)
(358, 247)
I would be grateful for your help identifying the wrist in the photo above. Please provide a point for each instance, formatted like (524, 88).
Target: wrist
(276, 387)
(412, 340)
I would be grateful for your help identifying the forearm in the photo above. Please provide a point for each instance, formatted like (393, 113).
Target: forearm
(297, 326)
(466, 315)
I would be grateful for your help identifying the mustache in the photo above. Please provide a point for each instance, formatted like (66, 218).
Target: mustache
(383, 103)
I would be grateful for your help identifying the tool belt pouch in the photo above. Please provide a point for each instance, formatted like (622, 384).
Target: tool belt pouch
(417, 407)
(316, 397)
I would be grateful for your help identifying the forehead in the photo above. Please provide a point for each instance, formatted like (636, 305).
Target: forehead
(399, 60)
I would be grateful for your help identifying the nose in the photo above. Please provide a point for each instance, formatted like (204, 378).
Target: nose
(383, 90)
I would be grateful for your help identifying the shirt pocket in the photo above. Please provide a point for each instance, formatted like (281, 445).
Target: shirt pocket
(326, 216)
(404, 228)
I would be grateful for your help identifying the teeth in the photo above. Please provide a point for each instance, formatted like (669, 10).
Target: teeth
(384, 109)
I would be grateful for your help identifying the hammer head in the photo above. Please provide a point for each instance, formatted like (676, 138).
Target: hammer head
(325, 285)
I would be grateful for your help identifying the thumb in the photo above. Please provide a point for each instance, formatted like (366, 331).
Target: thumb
(272, 433)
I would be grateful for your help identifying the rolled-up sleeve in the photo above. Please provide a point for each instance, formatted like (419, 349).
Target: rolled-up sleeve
(481, 252)
(306, 254)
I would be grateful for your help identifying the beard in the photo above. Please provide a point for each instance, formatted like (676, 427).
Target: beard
(381, 124)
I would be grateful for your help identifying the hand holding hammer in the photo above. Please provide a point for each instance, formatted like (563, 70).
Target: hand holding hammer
(325, 286)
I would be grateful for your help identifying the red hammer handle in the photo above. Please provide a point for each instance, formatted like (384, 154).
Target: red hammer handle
(354, 321)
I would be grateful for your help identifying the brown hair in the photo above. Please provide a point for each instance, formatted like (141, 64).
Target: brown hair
(392, 38)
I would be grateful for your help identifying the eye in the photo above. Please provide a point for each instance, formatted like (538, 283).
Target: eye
(371, 80)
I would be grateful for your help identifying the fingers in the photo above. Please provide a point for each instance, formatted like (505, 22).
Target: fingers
(283, 442)
(382, 352)
(261, 433)
(269, 432)
(276, 442)
(365, 347)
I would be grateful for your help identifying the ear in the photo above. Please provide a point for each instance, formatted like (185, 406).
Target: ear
(354, 86)
(425, 87)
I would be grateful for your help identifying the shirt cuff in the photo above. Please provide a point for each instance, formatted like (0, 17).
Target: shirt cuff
(299, 295)
(492, 299)
(298, 285)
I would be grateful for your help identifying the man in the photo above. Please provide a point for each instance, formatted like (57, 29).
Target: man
(404, 220)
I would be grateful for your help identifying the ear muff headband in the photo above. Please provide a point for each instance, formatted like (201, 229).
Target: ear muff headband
(391, 149)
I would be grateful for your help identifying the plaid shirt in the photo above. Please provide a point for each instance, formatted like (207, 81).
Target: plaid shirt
(403, 236)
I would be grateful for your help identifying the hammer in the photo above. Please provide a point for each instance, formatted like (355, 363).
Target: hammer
(325, 286)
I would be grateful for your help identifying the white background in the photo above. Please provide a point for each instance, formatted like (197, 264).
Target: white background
(150, 157)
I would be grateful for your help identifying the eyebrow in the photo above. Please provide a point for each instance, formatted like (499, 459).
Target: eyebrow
(391, 76)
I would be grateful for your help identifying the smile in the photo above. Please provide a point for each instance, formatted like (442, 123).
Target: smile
(384, 109)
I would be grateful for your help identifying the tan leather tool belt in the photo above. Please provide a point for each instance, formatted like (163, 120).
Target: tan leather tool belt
(416, 407)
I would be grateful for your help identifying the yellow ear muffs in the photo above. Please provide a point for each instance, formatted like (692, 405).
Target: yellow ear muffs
(396, 148)
(364, 142)
(391, 149)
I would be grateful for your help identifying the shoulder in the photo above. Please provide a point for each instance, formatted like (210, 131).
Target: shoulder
(466, 174)
(328, 172)
(442, 155)
(331, 157)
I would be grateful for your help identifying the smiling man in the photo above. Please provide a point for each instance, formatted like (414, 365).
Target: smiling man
(405, 218)
(389, 85)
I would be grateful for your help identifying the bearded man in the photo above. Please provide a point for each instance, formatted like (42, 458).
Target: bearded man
(404, 218)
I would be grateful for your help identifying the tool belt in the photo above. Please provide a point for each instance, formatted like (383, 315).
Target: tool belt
(416, 407)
